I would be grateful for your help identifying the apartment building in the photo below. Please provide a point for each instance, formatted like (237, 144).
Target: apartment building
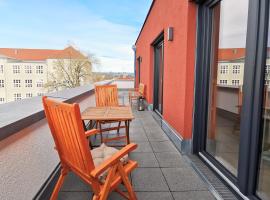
(231, 66)
(23, 72)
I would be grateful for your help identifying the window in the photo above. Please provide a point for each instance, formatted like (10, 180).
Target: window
(40, 83)
(267, 74)
(223, 82)
(39, 69)
(40, 94)
(2, 84)
(218, 117)
(28, 69)
(28, 83)
(236, 69)
(28, 95)
(17, 83)
(2, 99)
(232, 125)
(224, 69)
(1, 69)
(17, 96)
(16, 69)
(236, 82)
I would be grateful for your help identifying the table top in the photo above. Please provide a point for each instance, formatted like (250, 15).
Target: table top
(108, 113)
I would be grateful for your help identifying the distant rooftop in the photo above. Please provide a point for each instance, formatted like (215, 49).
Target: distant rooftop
(41, 54)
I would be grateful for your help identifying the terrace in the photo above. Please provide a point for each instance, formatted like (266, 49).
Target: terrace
(28, 159)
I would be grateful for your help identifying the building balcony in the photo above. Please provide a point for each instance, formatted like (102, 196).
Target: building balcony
(29, 165)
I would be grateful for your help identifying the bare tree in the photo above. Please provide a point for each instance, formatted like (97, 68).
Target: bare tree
(71, 72)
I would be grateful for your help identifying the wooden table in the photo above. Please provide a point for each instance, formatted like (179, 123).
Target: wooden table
(110, 114)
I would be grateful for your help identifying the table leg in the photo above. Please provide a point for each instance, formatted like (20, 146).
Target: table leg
(84, 126)
(127, 130)
(89, 139)
(90, 124)
(118, 128)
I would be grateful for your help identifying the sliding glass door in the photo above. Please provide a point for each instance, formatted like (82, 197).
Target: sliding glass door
(263, 184)
(232, 95)
(158, 75)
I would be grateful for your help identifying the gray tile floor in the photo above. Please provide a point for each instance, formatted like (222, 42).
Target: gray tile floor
(163, 173)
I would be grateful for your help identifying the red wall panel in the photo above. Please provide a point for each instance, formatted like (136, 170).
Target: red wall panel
(179, 60)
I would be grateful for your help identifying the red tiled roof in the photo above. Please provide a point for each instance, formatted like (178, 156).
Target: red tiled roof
(231, 54)
(41, 54)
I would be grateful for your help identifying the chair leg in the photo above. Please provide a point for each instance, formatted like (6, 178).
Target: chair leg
(59, 184)
(95, 197)
(101, 136)
(126, 182)
(106, 188)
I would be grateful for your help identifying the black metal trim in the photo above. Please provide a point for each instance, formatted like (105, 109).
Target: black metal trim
(255, 131)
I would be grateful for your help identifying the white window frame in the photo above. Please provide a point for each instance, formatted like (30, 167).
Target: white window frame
(39, 69)
(16, 83)
(2, 83)
(28, 69)
(17, 96)
(28, 83)
(16, 69)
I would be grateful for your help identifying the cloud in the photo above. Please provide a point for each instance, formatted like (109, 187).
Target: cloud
(54, 24)
(233, 24)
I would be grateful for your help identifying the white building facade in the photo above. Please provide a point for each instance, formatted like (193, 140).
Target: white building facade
(24, 72)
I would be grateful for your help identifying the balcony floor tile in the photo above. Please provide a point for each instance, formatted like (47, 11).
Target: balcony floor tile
(193, 195)
(183, 179)
(149, 179)
(163, 173)
(171, 159)
(145, 159)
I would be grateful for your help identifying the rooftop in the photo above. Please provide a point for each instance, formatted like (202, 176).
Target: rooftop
(40, 54)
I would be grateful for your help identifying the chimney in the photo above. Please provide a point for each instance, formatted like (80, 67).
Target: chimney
(16, 51)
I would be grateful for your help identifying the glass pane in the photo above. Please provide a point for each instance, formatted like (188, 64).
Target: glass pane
(264, 170)
(226, 81)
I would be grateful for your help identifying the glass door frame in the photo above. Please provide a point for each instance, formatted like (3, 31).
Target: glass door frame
(157, 42)
(250, 127)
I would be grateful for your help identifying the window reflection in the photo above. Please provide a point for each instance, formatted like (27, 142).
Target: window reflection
(226, 82)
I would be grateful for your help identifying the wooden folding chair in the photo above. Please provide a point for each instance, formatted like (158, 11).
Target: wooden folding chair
(71, 144)
(107, 95)
(136, 93)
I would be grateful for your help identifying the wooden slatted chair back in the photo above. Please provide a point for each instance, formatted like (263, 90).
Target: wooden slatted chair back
(106, 95)
(141, 88)
(69, 136)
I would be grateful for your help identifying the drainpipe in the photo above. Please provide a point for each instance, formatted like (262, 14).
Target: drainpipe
(134, 49)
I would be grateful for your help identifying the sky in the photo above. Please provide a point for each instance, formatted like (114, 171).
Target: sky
(233, 24)
(105, 28)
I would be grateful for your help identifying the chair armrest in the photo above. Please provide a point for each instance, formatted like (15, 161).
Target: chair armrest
(92, 132)
(113, 160)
